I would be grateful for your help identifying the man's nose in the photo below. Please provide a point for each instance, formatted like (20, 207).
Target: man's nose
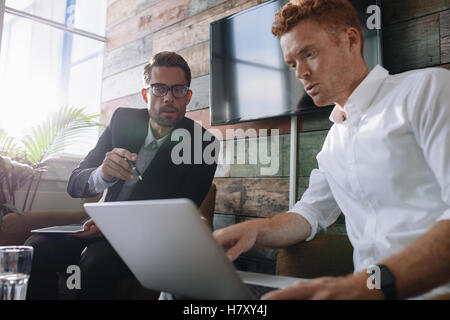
(169, 96)
(302, 72)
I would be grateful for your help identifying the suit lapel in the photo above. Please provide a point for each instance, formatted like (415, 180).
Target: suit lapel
(138, 131)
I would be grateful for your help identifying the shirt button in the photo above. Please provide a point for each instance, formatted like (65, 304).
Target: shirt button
(368, 262)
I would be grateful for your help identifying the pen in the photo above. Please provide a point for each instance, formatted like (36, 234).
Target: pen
(131, 163)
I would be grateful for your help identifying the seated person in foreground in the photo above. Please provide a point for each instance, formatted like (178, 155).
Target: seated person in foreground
(385, 164)
(151, 139)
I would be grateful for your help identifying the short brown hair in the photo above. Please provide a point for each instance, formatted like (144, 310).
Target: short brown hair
(166, 59)
(334, 15)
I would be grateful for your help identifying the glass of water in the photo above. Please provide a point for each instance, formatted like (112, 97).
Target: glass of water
(15, 268)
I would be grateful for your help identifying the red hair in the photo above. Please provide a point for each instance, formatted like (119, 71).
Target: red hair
(334, 15)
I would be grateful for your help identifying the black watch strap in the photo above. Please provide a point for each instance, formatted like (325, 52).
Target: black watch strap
(387, 281)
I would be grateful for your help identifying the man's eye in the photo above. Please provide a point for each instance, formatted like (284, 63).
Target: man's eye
(310, 54)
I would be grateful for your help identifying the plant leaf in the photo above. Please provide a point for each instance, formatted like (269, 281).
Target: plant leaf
(56, 133)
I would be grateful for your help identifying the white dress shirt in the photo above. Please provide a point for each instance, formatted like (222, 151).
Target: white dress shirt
(385, 164)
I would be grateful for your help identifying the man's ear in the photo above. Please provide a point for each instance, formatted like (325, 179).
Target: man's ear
(353, 37)
(189, 97)
(144, 95)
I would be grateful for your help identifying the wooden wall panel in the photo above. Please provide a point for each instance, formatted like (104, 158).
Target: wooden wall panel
(245, 159)
(255, 197)
(119, 11)
(200, 93)
(445, 36)
(197, 58)
(163, 14)
(311, 122)
(401, 10)
(197, 6)
(309, 145)
(282, 124)
(195, 29)
(122, 84)
(412, 44)
(131, 101)
(128, 56)
(122, 10)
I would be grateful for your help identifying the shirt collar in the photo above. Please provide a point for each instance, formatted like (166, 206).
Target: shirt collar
(151, 138)
(362, 96)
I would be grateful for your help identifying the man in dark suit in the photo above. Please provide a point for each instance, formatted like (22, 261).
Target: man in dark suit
(149, 140)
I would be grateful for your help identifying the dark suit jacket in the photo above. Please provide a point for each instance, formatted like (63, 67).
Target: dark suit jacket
(162, 179)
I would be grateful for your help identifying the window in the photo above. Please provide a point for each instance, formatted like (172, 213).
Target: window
(51, 56)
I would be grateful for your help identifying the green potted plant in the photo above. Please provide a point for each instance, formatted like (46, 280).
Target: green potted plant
(23, 161)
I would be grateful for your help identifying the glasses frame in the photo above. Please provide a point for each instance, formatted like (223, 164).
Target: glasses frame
(167, 88)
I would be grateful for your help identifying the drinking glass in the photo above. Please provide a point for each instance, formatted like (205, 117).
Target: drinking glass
(15, 268)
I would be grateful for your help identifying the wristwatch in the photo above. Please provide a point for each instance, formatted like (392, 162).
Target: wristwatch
(387, 282)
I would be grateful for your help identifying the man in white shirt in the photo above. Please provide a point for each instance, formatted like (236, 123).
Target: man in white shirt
(385, 164)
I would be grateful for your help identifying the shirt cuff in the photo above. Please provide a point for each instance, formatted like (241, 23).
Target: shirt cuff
(307, 212)
(97, 184)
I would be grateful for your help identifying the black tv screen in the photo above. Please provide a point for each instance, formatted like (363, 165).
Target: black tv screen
(249, 79)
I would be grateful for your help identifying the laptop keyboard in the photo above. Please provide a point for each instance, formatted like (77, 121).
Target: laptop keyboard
(258, 290)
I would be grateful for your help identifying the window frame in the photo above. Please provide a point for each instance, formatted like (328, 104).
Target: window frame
(4, 9)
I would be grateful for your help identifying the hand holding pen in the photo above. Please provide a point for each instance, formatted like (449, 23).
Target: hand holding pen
(119, 164)
(133, 165)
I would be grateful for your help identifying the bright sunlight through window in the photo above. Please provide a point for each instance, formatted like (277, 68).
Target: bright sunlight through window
(44, 67)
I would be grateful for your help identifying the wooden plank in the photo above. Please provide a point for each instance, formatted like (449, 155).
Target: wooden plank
(445, 36)
(121, 10)
(412, 44)
(222, 171)
(247, 162)
(197, 58)
(316, 121)
(309, 145)
(400, 10)
(254, 197)
(248, 129)
(128, 56)
(131, 101)
(197, 6)
(200, 93)
(150, 20)
(195, 29)
(122, 84)
(182, 38)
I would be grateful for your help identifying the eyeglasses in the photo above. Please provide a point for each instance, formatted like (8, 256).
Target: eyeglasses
(161, 89)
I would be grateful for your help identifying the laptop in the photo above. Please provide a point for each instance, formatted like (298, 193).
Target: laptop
(168, 247)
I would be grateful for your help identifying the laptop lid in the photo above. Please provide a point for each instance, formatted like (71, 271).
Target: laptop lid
(168, 247)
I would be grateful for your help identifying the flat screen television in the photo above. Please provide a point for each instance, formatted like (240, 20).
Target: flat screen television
(249, 79)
